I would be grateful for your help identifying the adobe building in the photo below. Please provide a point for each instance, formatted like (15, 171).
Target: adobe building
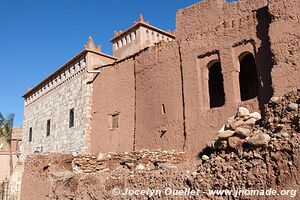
(5, 153)
(163, 90)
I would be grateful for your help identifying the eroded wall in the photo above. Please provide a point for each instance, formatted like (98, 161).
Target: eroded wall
(172, 101)
(159, 106)
(285, 41)
(113, 94)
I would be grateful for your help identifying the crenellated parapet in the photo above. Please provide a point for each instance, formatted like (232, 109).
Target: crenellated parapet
(74, 67)
(138, 37)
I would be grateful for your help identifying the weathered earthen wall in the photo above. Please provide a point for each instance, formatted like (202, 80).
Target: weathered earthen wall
(208, 13)
(159, 108)
(285, 41)
(4, 167)
(113, 94)
(239, 30)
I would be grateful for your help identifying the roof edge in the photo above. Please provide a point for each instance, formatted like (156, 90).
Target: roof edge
(60, 69)
(138, 24)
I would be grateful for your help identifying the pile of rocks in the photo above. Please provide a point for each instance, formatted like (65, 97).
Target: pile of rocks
(135, 160)
(238, 130)
(249, 152)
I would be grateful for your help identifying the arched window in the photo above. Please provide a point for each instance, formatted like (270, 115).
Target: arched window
(215, 84)
(249, 87)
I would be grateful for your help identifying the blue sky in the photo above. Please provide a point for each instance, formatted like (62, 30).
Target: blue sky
(37, 37)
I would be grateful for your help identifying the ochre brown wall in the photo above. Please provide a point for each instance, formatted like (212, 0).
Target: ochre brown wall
(238, 30)
(176, 73)
(285, 41)
(113, 92)
(158, 83)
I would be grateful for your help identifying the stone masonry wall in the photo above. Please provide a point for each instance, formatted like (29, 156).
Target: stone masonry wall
(69, 91)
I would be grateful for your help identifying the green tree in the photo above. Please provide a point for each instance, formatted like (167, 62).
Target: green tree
(6, 131)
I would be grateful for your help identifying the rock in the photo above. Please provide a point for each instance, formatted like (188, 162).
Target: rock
(250, 121)
(222, 129)
(102, 157)
(261, 139)
(276, 156)
(211, 144)
(205, 157)
(242, 111)
(274, 99)
(235, 142)
(225, 134)
(237, 124)
(140, 167)
(292, 107)
(285, 134)
(166, 166)
(243, 132)
(255, 115)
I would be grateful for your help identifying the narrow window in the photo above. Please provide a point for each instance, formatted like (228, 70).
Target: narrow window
(48, 127)
(163, 109)
(216, 87)
(113, 121)
(30, 134)
(249, 87)
(71, 118)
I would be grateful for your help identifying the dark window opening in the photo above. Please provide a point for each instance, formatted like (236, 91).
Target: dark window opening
(30, 134)
(163, 109)
(249, 87)
(48, 127)
(162, 133)
(216, 86)
(71, 118)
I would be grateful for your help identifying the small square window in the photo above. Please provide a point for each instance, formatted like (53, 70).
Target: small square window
(71, 118)
(30, 134)
(48, 127)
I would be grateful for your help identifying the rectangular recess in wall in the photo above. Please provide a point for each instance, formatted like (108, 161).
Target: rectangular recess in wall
(163, 109)
(48, 127)
(71, 118)
(113, 121)
(30, 134)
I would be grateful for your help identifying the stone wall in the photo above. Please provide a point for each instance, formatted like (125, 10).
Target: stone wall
(15, 181)
(71, 92)
(68, 88)
(134, 160)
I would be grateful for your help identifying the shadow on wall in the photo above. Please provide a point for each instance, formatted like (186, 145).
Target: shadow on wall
(264, 57)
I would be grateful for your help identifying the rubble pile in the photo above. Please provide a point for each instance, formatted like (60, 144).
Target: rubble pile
(135, 160)
(249, 152)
